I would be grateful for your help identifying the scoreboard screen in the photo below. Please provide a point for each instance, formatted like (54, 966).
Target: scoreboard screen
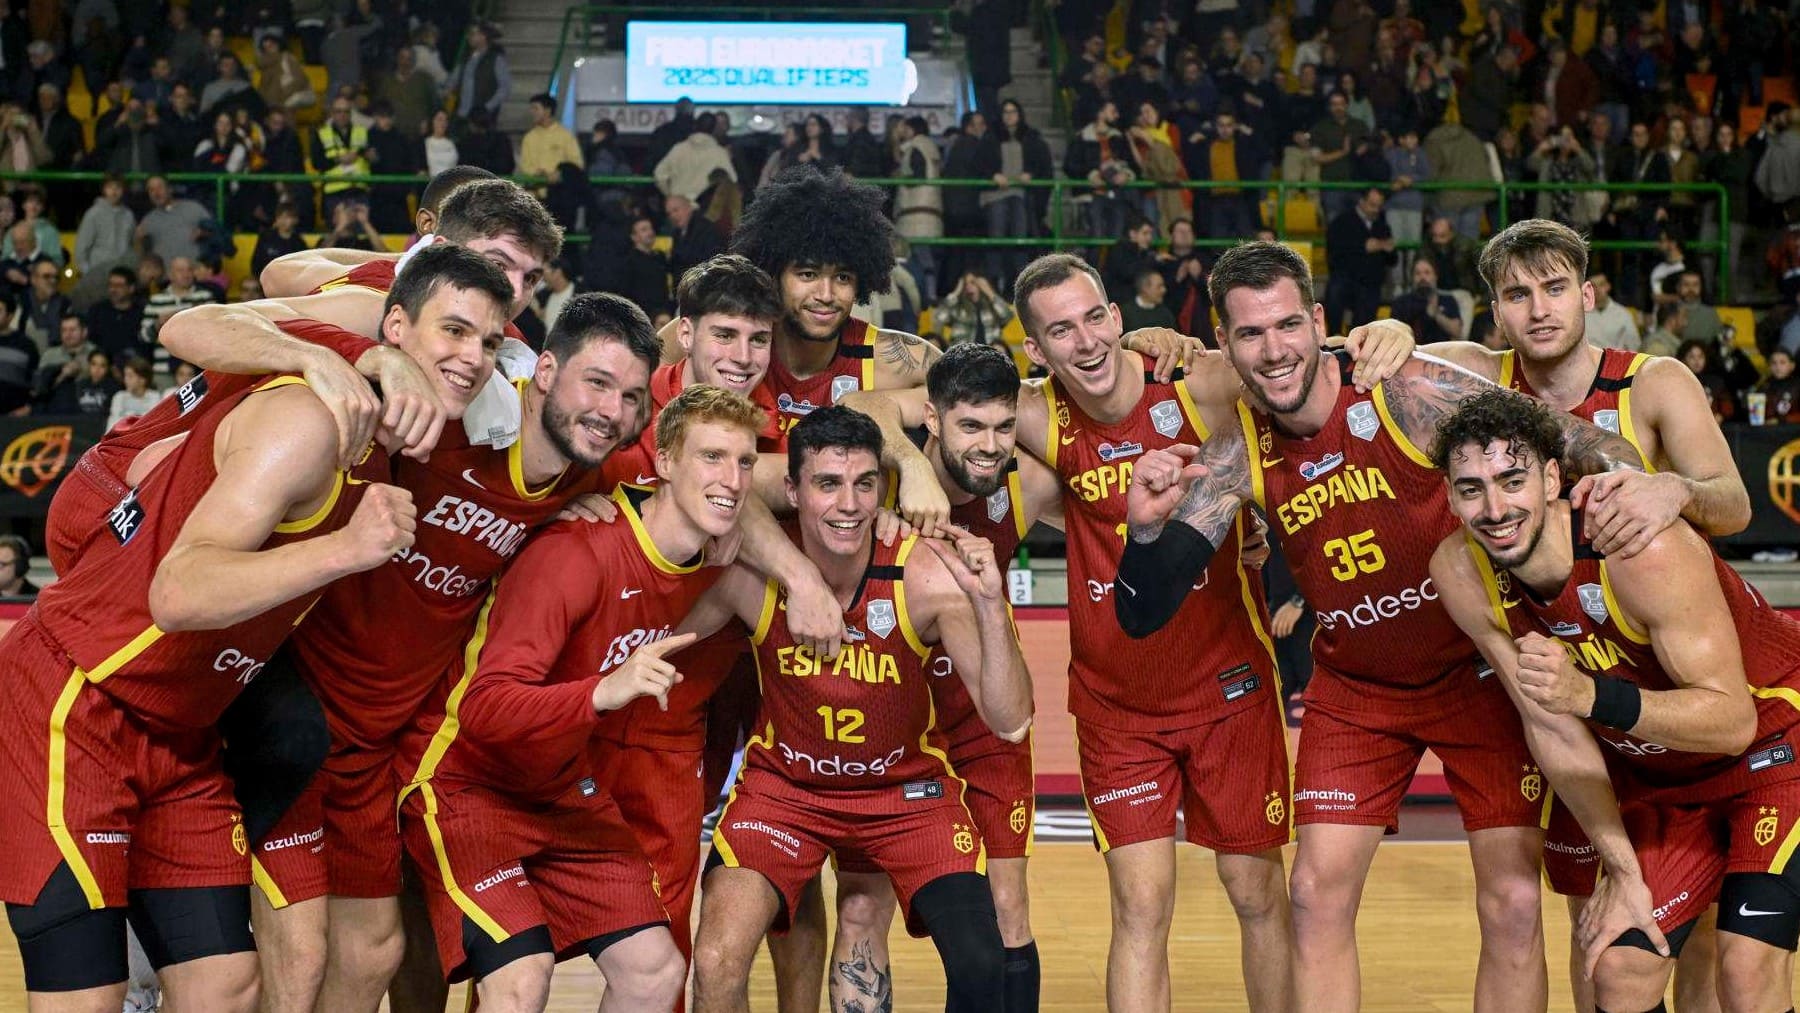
(762, 63)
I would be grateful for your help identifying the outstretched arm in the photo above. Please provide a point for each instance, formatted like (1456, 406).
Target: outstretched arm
(303, 271)
(920, 499)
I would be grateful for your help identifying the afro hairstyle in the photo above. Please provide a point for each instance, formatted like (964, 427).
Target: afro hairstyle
(805, 216)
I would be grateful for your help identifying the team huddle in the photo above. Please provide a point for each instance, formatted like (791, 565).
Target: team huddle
(389, 654)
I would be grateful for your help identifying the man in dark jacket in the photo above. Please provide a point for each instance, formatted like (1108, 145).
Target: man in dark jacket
(645, 279)
(1230, 213)
(671, 133)
(1492, 81)
(864, 157)
(1359, 249)
(696, 238)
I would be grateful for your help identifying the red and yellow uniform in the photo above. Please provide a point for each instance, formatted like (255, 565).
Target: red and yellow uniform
(1002, 795)
(852, 368)
(98, 479)
(380, 641)
(846, 758)
(1359, 511)
(108, 747)
(1209, 739)
(1571, 864)
(500, 789)
(1692, 817)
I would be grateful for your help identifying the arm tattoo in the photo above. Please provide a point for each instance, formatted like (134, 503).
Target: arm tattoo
(904, 350)
(1427, 390)
(858, 985)
(1212, 502)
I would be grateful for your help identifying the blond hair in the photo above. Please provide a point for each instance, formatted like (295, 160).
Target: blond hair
(703, 402)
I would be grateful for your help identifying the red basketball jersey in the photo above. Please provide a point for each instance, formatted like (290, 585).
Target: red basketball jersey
(380, 640)
(636, 464)
(1608, 401)
(852, 368)
(1359, 511)
(516, 711)
(999, 518)
(1584, 617)
(1219, 634)
(863, 719)
(100, 612)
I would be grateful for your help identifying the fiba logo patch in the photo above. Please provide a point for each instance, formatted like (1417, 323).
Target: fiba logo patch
(1784, 478)
(1274, 809)
(962, 838)
(1767, 825)
(1018, 818)
(1531, 786)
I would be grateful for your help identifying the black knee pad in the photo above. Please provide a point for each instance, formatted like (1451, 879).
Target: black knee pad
(1760, 906)
(187, 923)
(276, 739)
(958, 910)
(483, 956)
(1677, 937)
(65, 945)
(600, 944)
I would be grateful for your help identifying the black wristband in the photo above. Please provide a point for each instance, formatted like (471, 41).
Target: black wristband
(1154, 577)
(1617, 703)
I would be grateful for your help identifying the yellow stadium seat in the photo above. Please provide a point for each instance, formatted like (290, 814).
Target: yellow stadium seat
(244, 49)
(237, 267)
(1743, 321)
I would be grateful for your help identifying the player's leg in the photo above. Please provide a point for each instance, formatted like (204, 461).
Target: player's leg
(522, 983)
(1001, 796)
(1697, 968)
(1581, 989)
(73, 955)
(198, 939)
(799, 954)
(419, 985)
(291, 944)
(1257, 887)
(1511, 972)
(644, 971)
(860, 972)
(1330, 867)
(366, 944)
(957, 910)
(1571, 868)
(737, 906)
(1631, 980)
(1759, 925)
(143, 993)
(1012, 905)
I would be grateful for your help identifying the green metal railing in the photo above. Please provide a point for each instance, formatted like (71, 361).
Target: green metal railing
(1063, 193)
(588, 12)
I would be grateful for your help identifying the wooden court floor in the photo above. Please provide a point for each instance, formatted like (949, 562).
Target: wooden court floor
(1418, 936)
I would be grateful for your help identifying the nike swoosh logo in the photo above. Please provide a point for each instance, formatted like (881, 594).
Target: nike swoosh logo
(1744, 911)
(469, 476)
(645, 480)
(1505, 604)
(627, 593)
(1066, 440)
(1270, 462)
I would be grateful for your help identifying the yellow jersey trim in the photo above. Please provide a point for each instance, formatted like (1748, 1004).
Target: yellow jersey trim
(317, 517)
(1253, 451)
(57, 790)
(1192, 411)
(1401, 440)
(1628, 428)
(645, 544)
(463, 901)
(900, 610)
(1508, 362)
(1620, 620)
(1017, 491)
(1490, 583)
(271, 891)
(1052, 436)
(447, 732)
(515, 462)
(765, 618)
(1100, 841)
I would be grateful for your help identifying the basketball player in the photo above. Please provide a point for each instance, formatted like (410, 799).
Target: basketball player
(1342, 478)
(1692, 693)
(971, 420)
(500, 787)
(1534, 271)
(1215, 744)
(216, 552)
(873, 785)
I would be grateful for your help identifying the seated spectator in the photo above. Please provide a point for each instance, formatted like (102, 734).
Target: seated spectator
(61, 365)
(179, 130)
(16, 266)
(92, 391)
(1146, 307)
(15, 566)
(103, 240)
(410, 91)
(1432, 314)
(116, 322)
(1699, 357)
(646, 280)
(278, 240)
(695, 238)
(18, 364)
(137, 397)
(182, 291)
(1454, 255)
(62, 134)
(439, 148)
(1184, 276)
(174, 226)
(973, 312)
(1665, 337)
(1129, 257)
(1782, 389)
(283, 83)
(1703, 322)
(351, 229)
(228, 90)
(1101, 155)
(1610, 323)
(47, 240)
(42, 305)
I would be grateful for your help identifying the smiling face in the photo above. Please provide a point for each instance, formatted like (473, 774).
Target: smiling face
(1502, 495)
(836, 494)
(817, 299)
(523, 267)
(1076, 334)
(975, 440)
(454, 341)
(1274, 340)
(1542, 315)
(726, 350)
(708, 475)
(595, 401)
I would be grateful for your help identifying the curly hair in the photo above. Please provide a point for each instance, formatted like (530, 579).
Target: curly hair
(805, 216)
(1499, 414)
